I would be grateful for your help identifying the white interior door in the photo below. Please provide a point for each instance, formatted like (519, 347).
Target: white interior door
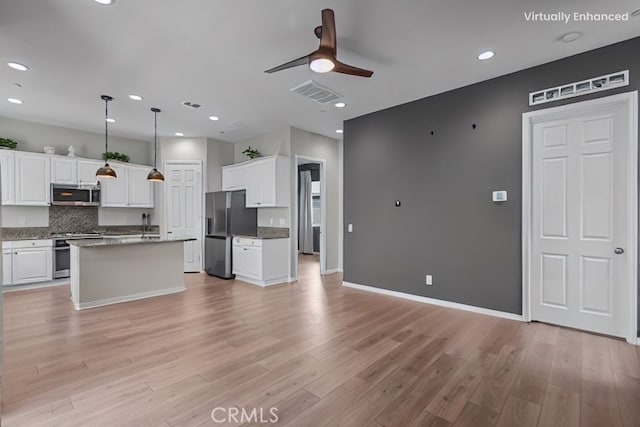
(183, 187)
(580, 218)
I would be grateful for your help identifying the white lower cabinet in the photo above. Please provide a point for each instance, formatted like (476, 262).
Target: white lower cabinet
(261, 262)
(27, 261)
(6, 266)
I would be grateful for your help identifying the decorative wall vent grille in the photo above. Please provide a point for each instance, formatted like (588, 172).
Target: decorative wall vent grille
(316, 92)
(584, 87)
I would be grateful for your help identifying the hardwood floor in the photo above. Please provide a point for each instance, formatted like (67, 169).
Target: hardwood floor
(323, 355)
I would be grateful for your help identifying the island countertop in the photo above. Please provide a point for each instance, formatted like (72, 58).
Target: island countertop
(117, 241)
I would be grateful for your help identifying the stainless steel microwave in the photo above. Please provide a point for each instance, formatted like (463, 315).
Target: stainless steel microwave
(74, 195)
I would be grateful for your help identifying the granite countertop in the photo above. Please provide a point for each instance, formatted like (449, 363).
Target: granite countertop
(95, 243)
(272, 233)
(29, 233)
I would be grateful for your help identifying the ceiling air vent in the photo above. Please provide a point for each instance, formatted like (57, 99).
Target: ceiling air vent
(316, 92)
(237, 126)
(190, 104)
(569, 90)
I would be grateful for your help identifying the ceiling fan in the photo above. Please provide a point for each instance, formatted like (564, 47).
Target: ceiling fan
(324, 58)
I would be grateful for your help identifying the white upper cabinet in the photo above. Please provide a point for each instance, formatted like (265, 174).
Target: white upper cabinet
(32, 179)
(7, 177)
(64, 170)
(140, 189)
(267, 181)
(26, 179)
(115, 192)
(233, 178)
(87, 171)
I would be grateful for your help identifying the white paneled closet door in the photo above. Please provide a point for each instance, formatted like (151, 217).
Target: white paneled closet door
(183, 192)
(579, 267)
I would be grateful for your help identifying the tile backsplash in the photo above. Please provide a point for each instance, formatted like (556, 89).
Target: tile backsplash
(73, 219)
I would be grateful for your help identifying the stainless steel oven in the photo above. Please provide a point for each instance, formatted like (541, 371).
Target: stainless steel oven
(62, 253)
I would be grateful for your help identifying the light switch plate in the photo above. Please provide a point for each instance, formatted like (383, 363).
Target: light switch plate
(350, 228)
(499, 196)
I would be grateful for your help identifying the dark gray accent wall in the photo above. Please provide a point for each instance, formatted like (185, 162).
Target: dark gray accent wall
(428, 155)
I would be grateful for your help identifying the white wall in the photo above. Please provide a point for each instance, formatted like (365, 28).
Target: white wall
(316, 146)
(219, 153)
(340, 204)
(33, 136)
(268, 144)
(125, 216)
(25, 216)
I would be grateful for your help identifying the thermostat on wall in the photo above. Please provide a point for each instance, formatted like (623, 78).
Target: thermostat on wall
(499, 196)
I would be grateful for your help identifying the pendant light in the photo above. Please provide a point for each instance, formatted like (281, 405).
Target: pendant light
(155, 174)
(106, 171)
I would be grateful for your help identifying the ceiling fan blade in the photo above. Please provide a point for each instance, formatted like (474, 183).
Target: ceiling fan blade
(354, 71)
(295, 63)
(328, 33)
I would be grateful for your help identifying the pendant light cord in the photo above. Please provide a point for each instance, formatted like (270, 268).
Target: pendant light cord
(155, 139)
(106, 128)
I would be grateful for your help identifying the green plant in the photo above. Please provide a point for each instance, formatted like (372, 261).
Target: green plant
(7, 142)
(114, 155)
(252, 153)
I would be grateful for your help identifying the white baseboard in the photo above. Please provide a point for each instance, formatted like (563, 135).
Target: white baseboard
(127, 298)
(333, 270)
(435, 301)
(263, 283)
(36, 285)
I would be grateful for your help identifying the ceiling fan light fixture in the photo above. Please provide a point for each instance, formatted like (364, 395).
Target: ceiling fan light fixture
(321, 63)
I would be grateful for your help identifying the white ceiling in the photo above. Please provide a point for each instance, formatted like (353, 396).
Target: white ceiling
(214, 52)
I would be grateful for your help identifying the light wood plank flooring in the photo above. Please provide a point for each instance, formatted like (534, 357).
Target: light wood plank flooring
(320, 353)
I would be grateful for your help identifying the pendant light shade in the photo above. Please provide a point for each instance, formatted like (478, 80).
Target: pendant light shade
(106, 171)
(155, 175)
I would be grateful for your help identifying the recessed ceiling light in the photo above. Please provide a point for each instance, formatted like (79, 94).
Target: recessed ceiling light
(179, 134)
(135, 97)
(340, 104)
(214, 118)
(17, 66)
(15, 101)
(570, 37)
(635, 12)
(110, 120)
(339, 131)
(105, 2)
(486, 55)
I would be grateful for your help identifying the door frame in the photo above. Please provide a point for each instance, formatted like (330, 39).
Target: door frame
(202, 205)
(323, 210)
(630, 101)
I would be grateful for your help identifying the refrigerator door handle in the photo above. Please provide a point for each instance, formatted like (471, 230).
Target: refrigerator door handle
(209, 225)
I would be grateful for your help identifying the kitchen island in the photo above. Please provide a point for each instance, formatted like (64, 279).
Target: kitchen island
(113, 270)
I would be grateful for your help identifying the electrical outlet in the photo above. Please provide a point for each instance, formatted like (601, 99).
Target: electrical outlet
(429, 280)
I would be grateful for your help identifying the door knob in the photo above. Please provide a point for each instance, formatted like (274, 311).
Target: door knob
(619, 251)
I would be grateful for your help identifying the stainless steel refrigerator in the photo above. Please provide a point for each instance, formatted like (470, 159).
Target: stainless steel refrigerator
(226, 216)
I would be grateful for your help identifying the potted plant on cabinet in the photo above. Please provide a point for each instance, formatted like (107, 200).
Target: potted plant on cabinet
(8, 143)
